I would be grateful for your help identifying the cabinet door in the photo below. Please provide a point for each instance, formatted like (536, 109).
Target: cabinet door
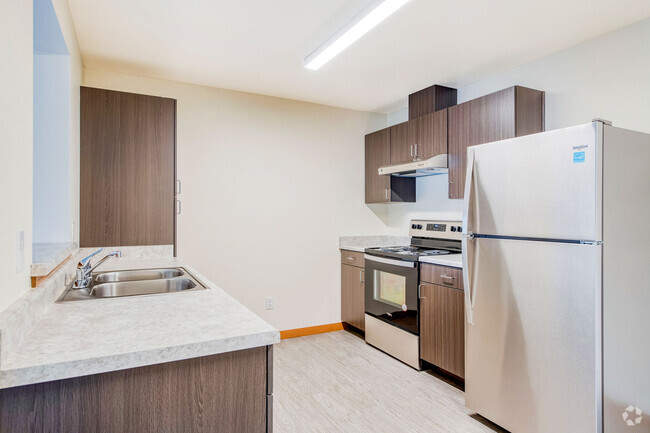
(377, 154)
(352, 299)
(127, 165)
(442, 328)
(400, 146)
(431, 138)
(481, 120)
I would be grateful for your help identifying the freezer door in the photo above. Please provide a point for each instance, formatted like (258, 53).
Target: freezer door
(532, 356)
(538, 186)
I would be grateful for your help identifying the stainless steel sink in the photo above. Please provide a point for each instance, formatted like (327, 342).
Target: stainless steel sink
(134, 283)
(137, 275)
(149, 287)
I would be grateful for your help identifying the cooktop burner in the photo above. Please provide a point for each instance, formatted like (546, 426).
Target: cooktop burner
(407, 253)
(412, 251)
(428, 238)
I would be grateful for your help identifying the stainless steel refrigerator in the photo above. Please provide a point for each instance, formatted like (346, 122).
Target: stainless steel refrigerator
(556, 252)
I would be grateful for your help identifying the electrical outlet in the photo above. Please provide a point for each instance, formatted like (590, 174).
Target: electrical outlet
(20, 251)
(269, 302)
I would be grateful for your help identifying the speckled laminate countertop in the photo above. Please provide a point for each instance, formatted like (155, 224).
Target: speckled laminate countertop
(360, 243)
(96, 336)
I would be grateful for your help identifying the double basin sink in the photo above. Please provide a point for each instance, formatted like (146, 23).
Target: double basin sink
(113, 284)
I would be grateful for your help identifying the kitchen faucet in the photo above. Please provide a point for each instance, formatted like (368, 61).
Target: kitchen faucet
(84, 271)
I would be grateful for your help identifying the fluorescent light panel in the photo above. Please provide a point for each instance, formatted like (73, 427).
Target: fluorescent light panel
(374, 14)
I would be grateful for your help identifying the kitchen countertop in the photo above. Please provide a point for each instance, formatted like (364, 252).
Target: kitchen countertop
(453, 260)
(96, 336)
(360, 243)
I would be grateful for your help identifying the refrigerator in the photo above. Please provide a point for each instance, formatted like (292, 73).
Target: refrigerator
(556, 268)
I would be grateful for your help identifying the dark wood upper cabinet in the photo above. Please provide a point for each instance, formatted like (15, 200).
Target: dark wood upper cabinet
(419, 138)
(429, 134)
(431, 99)
(401, 149)
(384, 189)
(127, 173)
(377, 154)
(509, 113)
(424, 135)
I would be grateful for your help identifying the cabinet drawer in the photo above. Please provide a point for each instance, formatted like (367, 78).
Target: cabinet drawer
(441, 275)
(353, 258)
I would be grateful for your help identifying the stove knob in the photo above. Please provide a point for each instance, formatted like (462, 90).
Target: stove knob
(459, 229)
(419, 226)
(413, 226)
(453, 228)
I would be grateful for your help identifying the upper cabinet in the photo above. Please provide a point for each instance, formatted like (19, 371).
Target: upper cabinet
(384, 189)
(377, 154)
(428, 134)
(419, 138)
(509, 113)
(401, 148)
(431, 99)
(127, 173)
(437, 126)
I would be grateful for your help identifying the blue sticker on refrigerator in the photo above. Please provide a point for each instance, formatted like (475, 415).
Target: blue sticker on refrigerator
(578, 157)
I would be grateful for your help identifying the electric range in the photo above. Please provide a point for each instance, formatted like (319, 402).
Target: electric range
(392, 287)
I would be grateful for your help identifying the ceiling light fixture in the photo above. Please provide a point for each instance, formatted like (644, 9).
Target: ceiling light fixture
(361, 24)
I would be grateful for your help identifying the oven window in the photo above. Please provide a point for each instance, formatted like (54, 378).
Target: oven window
(390, 288)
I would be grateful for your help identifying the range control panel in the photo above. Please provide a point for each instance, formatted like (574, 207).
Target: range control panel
(436, 229)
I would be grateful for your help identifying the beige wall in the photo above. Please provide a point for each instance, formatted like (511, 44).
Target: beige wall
(16, 150)
(268, 186)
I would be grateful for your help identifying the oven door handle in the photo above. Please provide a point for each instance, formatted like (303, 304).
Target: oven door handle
(394, 262)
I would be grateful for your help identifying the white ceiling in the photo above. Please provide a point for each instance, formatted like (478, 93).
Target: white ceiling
(258, 45)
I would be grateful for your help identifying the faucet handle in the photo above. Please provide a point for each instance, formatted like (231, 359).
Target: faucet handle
(86, 260)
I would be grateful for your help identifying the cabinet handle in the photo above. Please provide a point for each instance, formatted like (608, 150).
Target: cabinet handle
(351, 258)
(447, 277)
(361, 279)
(411, 151)
(178, 186)
(178, 206)
(386, 191)
(416, 151)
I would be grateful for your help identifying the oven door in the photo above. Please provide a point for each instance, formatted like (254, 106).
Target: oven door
(391, 291)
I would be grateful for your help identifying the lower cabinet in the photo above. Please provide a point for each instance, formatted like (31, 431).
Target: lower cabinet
(352, 295)
(442, 327)
(225, 393)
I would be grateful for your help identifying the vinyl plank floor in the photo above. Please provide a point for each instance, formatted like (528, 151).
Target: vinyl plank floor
(335, 382)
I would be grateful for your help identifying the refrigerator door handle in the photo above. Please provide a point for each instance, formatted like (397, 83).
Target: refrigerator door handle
(469, 188)
(467, 286)
(467, 237)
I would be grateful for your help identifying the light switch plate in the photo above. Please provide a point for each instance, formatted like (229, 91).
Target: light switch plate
(269, 302)
(20, 251)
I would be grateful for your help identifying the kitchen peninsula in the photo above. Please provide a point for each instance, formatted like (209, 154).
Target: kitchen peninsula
(192, 361)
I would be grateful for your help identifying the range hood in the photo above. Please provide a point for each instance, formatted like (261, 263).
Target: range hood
(426, 167)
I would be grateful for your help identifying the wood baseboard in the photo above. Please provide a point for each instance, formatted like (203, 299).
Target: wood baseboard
(311, 330)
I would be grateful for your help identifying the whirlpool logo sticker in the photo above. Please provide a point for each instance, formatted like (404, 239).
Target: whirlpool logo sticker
(632, 416)
(579, 154)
